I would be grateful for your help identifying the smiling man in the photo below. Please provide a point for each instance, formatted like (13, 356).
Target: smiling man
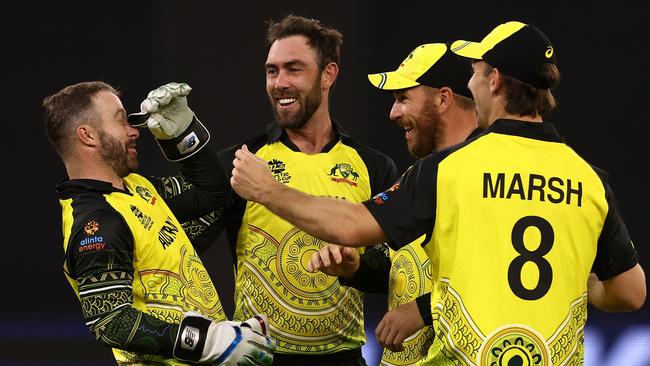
(314, 319)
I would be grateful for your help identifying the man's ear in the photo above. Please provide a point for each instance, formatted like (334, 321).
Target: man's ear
(446, 96)
(88, 135)
(495, 80)
(328, 75)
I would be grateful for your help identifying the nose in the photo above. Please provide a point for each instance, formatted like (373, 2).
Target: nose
(281, 80)
(395, 111)
(134, 132)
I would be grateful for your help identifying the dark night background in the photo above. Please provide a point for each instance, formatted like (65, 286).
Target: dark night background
(218, 48)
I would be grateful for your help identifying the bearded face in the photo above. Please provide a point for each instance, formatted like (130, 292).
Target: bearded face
(294, 108)
(116, 154)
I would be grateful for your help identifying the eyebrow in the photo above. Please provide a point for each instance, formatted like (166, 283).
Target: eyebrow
(120, 112)
(286, 64)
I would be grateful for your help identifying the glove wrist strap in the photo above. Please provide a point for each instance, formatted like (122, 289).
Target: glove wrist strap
(190, 341)
(195, 137)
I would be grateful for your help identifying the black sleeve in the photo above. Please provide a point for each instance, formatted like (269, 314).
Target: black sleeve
(406, 210)
(99, 257)
(202, 231)
(374, 266)
(615, 253)
(424, 305)
(209, 191)
(381, 169)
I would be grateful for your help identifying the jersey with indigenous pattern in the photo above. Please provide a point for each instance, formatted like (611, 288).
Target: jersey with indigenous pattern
(127, 249)
(308, 313)
(410, 277)
(517, 219)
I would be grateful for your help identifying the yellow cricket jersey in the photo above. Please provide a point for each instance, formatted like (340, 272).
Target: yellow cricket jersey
(516, 221)
(410, 278)
(130, 251)
(308, 313)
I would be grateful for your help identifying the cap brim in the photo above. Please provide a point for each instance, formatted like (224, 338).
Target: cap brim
(391, 80)
(138, 119)
(468, 49)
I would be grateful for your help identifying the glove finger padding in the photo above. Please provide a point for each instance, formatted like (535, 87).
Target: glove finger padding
(162, 95)
(258, 323)
(177, 130)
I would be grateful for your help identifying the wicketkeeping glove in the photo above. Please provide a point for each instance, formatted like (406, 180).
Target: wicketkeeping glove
(166, 113)
(224, 343)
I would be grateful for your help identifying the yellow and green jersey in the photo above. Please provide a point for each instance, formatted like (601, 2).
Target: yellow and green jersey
(308, 313)
(132, 266)
(515, 222)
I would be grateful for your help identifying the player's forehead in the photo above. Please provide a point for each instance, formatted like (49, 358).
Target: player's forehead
(292, 49)
(108, 104)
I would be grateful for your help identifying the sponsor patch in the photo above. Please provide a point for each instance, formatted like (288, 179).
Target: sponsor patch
(145, 220)
(380, 198)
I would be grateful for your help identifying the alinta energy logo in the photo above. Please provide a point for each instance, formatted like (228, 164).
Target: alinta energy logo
(145, 194)
(278, 168)
(346, 172)
(91, 241)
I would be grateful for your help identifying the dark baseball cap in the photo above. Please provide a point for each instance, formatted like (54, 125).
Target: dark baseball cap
(516, 49)
(430, 64)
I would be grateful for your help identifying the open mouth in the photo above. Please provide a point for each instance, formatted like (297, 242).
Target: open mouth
(286, 101)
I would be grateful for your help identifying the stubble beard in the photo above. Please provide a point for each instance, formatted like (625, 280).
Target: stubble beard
(115, 155)
(299, 119)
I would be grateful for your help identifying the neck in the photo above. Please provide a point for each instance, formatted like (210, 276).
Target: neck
(96, 171)
(499, 112)
(459, 126)
(317, 132)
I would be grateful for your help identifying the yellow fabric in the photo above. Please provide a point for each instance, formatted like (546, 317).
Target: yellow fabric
(308, 313)
(478, 308)
(169, 277)
(410, 277)
(414, 65)
(476, 50)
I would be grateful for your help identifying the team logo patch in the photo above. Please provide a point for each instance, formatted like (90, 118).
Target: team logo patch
(514, 345)
(345, 170)
(145, 194)
(91, 241)
(278, 169)
(145, 220)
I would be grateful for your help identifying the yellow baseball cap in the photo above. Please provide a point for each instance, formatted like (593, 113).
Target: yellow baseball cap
(418, 68)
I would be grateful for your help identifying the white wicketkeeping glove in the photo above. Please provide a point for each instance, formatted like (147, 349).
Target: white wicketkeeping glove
(169, 115)
(224, 343)
(166, 113)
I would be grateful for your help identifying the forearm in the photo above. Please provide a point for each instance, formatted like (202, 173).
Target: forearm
(625, 292)
(106, 300)
(372, 275)
(333, 220)
(206, 191)
(131, 330)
